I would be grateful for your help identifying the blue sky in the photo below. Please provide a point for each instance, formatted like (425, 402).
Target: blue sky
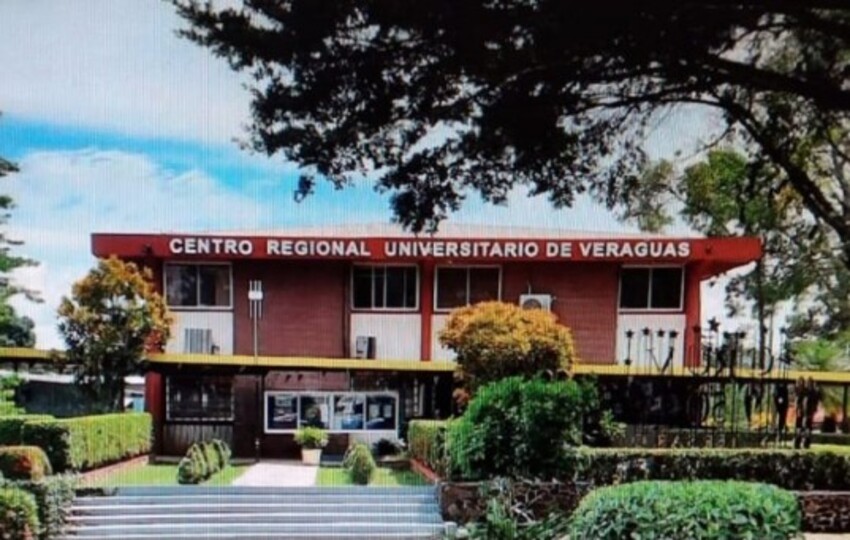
(118, 125)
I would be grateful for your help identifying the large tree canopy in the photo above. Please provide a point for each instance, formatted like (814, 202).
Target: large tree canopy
(444, 98)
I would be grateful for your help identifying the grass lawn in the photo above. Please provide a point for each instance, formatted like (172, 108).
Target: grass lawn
(336, 476)
(161, 474)
(837, 448)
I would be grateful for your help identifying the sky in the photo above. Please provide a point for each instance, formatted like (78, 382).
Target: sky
(118, 125)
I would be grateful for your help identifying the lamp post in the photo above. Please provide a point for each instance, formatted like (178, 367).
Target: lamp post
(255, 312)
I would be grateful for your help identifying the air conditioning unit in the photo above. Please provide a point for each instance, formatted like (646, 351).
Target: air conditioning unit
(536, 301)
(197, 341)
(364, 347)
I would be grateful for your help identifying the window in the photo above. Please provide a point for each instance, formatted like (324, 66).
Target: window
(651, 288)
(200, 398)
(384, 287)
(342, 412)
(197, 285)
(458, 287)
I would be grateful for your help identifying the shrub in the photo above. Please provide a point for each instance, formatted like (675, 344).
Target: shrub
(54, 496)
(426, 443)
(707, 510)
(223, 452)
(88, 442)
(794, 470)
(24, 463)
(212, 457)
(386, 447)
(495, 340)
(516, 428)
(18, 515)
(10, 427)
(202, 460)
(188, 471)
(359, 463)
(311, 438)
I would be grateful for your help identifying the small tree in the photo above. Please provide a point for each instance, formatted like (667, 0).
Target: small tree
(495, 340)
(113, 316)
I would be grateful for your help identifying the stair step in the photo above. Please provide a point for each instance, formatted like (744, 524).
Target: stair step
(270, 498)
(262, 536)
(365, 530)
(268, 517)
(256, 508)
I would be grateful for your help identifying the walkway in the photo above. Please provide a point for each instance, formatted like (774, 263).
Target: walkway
(278, 474)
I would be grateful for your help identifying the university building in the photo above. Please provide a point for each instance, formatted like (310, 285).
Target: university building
(338, 327)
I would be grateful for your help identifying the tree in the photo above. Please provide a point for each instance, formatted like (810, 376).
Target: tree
(495, 340)
(113, 317)
(442, 98)
(15, 330)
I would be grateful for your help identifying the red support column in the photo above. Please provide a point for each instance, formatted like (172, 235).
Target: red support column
(155, 405)
(693, 314)
(426, 302)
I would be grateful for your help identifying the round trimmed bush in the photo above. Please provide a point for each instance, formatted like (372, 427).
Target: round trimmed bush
(212, 457)
(359, 463)
(696, 510)
(24, 463)
(18, 514)
(223, 452)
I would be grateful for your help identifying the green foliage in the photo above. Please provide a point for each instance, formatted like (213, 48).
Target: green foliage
(311, 437)
(794, 470)
(202, 460)
(695, 510)
(18, 515)
(517, 428)
(359, 464)
(386, 447)
(8, 385)
(426, 443)
(54, 496)
(24, 463)
(495, 340)
(508, 517)
(15, 330)
(88, 442)
(113, 317)
(10, 427)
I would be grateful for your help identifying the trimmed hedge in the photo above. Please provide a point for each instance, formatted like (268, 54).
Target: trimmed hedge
(707, 510)
(87, 442)
(24, 463)
(788, 469)
(10, 427)
(18, 515)
(359, 463)
(425, 442)
(54, 496)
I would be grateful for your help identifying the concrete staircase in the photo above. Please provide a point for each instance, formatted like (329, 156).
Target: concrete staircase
(254, 513)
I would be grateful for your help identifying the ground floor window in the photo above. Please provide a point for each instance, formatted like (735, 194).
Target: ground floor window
(199, 399)
(341, 412)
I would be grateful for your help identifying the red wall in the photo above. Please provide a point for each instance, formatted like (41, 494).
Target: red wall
(585, 301)
(303, 308)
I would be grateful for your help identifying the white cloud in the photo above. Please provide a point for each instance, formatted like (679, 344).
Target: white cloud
(115, 64)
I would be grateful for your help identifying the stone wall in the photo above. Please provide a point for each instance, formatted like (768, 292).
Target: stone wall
(825, 511)
(465, 502)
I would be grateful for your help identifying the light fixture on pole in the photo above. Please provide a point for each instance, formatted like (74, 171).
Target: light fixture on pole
(255, 312)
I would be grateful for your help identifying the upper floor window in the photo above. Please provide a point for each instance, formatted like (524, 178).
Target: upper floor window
(462, 286)
(197, 285)
(385, 287)
(651, 288)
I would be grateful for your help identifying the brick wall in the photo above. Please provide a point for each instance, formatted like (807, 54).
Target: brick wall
(303, 308)
(585, 301)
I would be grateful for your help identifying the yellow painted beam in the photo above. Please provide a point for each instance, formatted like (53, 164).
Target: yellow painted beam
(302, 362)
(19, 353)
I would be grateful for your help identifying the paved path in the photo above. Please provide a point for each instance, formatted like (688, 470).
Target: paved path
(278, 474)
(819, 536)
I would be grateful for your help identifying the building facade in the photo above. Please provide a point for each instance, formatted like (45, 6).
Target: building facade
(339, 327)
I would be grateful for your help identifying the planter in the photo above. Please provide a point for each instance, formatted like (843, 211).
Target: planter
(311, 456)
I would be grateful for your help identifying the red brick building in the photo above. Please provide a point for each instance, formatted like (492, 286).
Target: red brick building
(343, 328)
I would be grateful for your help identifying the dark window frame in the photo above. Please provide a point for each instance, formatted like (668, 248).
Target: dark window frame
(468, 269)
(384, 268)
(200, 380)
(197, 305)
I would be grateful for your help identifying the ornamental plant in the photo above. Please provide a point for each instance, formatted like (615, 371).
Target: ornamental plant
(495, 340)
(359, 464)
(311, 438)
(113, 316)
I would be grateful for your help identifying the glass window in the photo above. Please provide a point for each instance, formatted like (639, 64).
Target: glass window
(200, 398)
(315, 411)
(384, 287)
(196, 285)
(380, 412)
(651, 288)
(458, 287)
(282, 411)
(666, 288)
(349, 412)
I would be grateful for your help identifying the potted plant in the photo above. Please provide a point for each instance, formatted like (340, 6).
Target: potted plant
(311, 440)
